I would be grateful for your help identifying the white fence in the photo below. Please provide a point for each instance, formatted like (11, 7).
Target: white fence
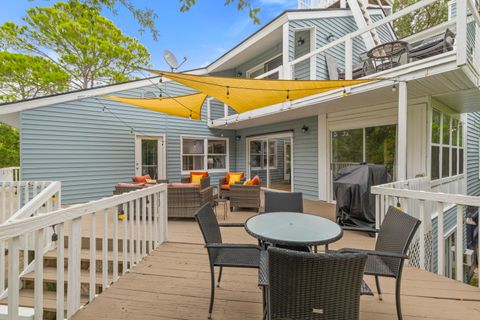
(10, 174)
(416, 198)
(140, 233)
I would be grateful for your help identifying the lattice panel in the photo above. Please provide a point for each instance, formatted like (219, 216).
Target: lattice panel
(414, 254)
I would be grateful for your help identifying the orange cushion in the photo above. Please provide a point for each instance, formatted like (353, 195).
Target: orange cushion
(256, 181)
(141, 179)
(125, 185)
(235, 177)
(225, 187)
(230, 173)
(195, 177)
(182, 185)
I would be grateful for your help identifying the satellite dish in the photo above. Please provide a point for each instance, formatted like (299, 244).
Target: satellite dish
(172, 60)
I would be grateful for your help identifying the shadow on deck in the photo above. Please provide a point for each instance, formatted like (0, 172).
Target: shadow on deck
(174, 283)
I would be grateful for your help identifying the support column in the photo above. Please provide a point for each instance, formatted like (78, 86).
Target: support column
(324, 180)
(287, 68)
(402, 131)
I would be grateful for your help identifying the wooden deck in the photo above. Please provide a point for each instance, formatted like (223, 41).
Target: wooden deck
(174, 283)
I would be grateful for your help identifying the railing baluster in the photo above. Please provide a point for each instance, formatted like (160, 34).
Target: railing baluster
(421, 231)
(11, 194)
(115, 246)
(25, 250)
(126, 211)
(144, 226)
(93, 258)
(3, 193)
(60, 271)
(74, 262)
(13, 273)
(150, 243)
(2, 266)
(440, 240)
(164, 214)
(38, 288)
(105, 283)
(131, 221)
(459, 243)
(156, 231)
(138, 207)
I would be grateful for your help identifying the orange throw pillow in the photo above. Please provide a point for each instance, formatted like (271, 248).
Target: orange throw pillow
(141, 179)
(235, 173)
(248, 182)
(196, 177)
(234, 178)
(256, 181)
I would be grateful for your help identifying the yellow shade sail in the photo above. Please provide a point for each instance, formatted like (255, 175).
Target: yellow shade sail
(189, 106)
(248, 94)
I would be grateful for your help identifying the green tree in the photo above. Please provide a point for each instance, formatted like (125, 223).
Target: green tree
(23, 76)
(419, 20)
(241, 6)
(9, 146)
(79, 40)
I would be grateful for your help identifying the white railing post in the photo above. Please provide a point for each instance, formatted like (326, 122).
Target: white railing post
(60, 271)
(348, 58)
(38, 287)
(459, 243)
(402, 131)
(440, 240)
(164, 214)
(74, 263)
(105, 251)
(422, 234)
(93, 258)
(13, 273)
(461, 38)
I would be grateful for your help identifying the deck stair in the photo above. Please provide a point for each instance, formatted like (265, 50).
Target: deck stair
(50, 274)
(363, 19)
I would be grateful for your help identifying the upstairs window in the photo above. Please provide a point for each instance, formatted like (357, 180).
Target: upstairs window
(266, 67)
(447, 149)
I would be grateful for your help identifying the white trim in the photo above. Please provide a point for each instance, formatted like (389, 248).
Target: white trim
(323, 159)
(287, 70)
(205, 155)
(161, 153)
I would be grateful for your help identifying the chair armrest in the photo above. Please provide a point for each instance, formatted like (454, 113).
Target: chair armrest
(370, 230)
(222, 181)
(232, 225)
(375, 253)
(205, 183)
(185, 180)
(232, 246)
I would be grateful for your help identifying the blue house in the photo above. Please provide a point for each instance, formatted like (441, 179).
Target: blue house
(421, 121)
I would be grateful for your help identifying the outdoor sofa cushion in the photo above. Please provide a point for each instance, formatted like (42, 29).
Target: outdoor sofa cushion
(183, 185)
(127, 185)
(256, 181)
(234, 176)
(196, 177)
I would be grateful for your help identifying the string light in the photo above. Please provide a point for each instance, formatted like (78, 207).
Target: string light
(394, 87)
(228, 91)
(226, 123)
(190, 117)
(288, 94)
(344, 93)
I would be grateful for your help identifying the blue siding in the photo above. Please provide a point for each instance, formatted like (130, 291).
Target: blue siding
(89, 150)
(473, 136)
(305, 152)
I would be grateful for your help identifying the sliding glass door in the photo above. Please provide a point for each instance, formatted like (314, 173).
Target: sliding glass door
(270, 157)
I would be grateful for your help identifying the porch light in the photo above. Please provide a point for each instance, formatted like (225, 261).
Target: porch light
(131, 131)
(394, 87)
(304, 129)
(300, 41)
(330, 37)
(238, 138)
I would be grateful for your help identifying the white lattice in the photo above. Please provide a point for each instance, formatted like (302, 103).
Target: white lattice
(414, 254)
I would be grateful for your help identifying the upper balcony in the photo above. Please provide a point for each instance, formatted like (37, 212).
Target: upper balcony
(443, 60)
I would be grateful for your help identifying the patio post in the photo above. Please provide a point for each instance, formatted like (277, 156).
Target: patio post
(402, 132)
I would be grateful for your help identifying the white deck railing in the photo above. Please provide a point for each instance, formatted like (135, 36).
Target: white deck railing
(466, 43)
(20, 199)
(10, 174)
(416, 197)
(144, 231)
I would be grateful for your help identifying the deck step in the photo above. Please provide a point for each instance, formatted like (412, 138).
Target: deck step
(50, 259)
(27, 299)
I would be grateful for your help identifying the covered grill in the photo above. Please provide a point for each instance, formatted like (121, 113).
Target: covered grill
(351, 186)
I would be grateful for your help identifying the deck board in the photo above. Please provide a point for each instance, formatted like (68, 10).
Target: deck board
(174, 283)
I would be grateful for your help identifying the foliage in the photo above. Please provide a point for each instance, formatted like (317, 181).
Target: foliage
(23, 76)
(241, 5)
(421, 19)
(79, 40)
(9, 146)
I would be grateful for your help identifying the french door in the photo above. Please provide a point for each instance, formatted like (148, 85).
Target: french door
(150, 156)
(271, 158)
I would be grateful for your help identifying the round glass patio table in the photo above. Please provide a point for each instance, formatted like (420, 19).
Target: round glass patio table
(293, 229)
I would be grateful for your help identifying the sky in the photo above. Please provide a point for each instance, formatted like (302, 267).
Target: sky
(203, 34)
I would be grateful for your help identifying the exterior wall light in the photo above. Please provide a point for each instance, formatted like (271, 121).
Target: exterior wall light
(304, 129)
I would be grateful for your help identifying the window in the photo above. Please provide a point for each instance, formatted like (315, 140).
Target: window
(202, 154)
(258, 154)
(450, 257)
(266, 67)
(447, 149)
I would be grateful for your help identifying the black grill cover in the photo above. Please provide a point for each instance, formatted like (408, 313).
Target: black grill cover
(351, 186)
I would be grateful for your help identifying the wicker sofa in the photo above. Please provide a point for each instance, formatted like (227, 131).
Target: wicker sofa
(184, 199)
(242, 196)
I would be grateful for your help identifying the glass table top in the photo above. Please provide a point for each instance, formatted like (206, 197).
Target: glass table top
(293, 228)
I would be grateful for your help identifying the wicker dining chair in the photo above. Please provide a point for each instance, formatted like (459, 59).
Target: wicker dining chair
(393, 241)
(313, 286)
(283, 201)
(223, 254)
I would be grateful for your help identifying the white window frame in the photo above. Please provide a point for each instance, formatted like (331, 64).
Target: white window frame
(267, 154)
(262, 65)
(205, 155)
(461, 125)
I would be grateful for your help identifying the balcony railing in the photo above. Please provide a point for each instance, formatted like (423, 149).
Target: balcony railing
(416, 197)
(466, 25)
(10, 174)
